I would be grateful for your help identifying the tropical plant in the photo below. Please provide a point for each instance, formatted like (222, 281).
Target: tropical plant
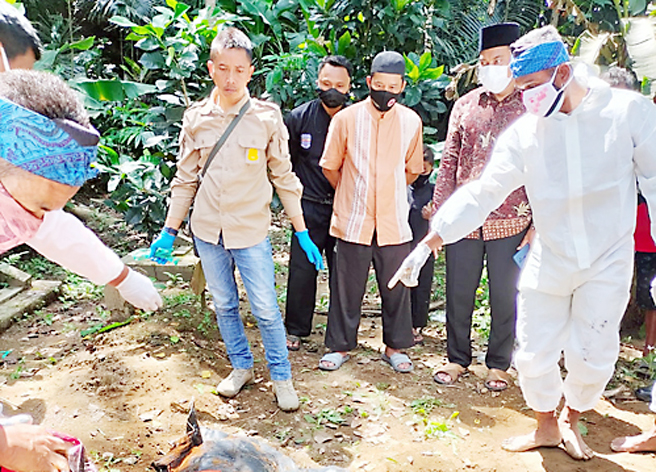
(630, 44)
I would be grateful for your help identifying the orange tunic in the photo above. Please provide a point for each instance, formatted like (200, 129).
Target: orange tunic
(374, 151)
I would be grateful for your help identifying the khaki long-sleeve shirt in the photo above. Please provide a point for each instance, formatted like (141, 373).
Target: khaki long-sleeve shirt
(234, 197)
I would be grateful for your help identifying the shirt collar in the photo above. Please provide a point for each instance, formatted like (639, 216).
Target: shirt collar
(489, 97)
(212, 105)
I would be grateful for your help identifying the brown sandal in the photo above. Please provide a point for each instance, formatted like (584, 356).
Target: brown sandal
(451, 369)
(497, 375)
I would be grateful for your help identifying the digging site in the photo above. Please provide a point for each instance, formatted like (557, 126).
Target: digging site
(123, 382)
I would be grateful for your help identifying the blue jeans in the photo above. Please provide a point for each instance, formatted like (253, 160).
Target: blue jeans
(255, 266)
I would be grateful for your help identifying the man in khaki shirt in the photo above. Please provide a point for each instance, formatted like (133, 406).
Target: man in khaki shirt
(231, 216)
(373, 151)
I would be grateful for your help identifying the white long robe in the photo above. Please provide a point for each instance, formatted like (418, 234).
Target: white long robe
(579, 171)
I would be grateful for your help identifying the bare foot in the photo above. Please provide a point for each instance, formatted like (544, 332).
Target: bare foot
(572, 439)
(547, 434)
(645, 442)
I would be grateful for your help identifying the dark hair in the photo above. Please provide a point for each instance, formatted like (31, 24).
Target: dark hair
(429, 155)
(17, 34)
(621, 78)
(43, 93)
(232, 38)
(337, 61)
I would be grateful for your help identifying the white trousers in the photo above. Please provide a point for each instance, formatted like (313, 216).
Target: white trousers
(582, 320)
(652, 407)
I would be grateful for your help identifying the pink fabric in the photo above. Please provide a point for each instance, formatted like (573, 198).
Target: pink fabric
(17, 225)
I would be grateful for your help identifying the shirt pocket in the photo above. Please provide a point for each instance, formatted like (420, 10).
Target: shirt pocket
(204, 142)
(253, 149)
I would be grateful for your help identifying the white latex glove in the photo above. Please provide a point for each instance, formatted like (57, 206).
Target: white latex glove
(29, 448)
(138, 290)
(653, 290)
(408, 273)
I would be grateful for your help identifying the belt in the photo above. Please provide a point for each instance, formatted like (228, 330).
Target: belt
(321, 201)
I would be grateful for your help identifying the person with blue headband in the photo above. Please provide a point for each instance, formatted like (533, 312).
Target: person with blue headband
(579, 152)
(47, 148)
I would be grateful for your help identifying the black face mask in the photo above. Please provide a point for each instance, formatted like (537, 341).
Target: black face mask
(332, 97)
(383, 100)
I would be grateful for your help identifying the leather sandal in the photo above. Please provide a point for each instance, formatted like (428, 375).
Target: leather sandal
(497, 375)
(451, 369)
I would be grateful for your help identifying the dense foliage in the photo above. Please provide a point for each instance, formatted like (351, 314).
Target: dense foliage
(141, 63)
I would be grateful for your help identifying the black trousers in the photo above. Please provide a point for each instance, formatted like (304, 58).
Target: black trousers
(302, 280)
(347, 288)
(420, 295)
(464, 264)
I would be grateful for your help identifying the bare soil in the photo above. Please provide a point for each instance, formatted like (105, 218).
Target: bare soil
(125, 394)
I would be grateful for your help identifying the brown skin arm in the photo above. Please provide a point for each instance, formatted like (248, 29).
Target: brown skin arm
(333, 176)
(409, 178)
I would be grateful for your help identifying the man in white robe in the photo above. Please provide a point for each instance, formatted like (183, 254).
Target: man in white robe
(578, 153)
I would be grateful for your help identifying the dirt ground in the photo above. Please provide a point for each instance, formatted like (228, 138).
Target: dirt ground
(125, 392)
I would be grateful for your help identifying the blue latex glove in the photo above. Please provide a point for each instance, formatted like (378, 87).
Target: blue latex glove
(162, 247)
(311, 250)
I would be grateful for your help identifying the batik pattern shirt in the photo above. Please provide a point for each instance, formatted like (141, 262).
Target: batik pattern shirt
(477, 119)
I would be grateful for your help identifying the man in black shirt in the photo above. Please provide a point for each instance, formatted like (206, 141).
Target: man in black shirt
(308, 126)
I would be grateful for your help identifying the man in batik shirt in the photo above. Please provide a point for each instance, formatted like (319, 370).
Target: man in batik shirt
(476, 121)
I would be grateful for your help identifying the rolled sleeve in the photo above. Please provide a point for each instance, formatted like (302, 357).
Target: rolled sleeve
(286, 183)
(334, 152)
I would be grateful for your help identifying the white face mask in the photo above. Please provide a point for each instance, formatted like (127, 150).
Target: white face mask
(545, 100)
(494, 78)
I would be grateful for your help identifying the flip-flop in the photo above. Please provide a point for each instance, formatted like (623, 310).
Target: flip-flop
(497, 375)
(293, 342)
(336, 358)
(396, 359)
(451, 369)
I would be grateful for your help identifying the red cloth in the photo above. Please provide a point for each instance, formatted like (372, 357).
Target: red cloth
(642, 235)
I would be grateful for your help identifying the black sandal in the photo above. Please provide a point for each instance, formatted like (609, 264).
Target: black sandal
(293, 342)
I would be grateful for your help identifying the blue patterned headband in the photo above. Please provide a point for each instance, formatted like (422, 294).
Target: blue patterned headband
(541, 57)
(57, 149)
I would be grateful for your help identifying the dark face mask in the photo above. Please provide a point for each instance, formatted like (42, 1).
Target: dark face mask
(383, 100)
(332, 97)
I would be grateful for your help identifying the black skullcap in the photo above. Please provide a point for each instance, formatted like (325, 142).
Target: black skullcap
(502, 34)
(388, 62)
